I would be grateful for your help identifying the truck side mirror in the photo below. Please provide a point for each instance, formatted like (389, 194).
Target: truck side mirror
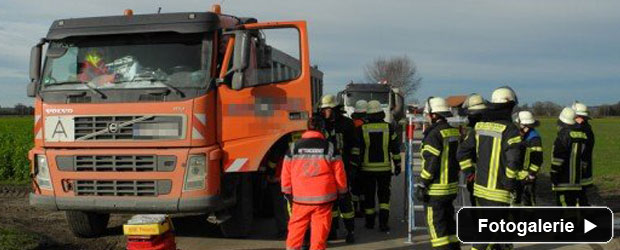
(35, 68)
(241, 57)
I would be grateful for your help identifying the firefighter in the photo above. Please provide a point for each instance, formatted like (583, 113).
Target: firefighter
(532, 151)
(495, 148)
(582, 118)
(340, 131)
(359, 113)
(379, 149)
(313, 177)
(475, 106)
(568, 159)
(439, 178)
(359, 118)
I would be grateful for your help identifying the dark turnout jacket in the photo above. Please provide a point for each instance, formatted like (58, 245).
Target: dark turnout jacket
(568, 158)
(532, 154)
(494, 144)
(439, 165)
(586, 174)
(378, 145)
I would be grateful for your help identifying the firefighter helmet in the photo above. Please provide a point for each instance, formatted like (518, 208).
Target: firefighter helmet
(526, 118)
(374, 107)
(328, 101)
(504, 95)
(567, 116)
(581, 109)
(437, 105)
(474, 103)
(361, 106)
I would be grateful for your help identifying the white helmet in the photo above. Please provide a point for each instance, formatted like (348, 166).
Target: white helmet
(526, 118)
(328, 101)
(474, 102)
(504, 95)
(437, 105)
(567, 116)
(361, 106)
(374, 107)
(580, 109)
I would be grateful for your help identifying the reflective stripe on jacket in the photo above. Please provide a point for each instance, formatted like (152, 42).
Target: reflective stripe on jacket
(439, 165)
(313, 171)
(568, 159)
(496, 148)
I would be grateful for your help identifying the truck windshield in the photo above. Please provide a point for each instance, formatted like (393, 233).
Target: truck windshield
(382, 97)
(126, 62)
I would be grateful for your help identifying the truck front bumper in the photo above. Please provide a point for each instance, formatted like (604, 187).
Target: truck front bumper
(117, 205)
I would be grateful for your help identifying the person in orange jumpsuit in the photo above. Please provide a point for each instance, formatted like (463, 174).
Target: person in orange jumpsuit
(313, 177)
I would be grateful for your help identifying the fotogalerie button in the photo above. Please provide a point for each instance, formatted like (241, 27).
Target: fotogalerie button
(573, 225)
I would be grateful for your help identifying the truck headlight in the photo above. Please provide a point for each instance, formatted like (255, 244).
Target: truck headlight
(196, 173)
(42, 171)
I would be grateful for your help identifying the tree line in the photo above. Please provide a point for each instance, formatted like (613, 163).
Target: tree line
(547, 108)
(18, 109)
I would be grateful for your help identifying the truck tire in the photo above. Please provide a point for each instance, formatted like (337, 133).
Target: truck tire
(87, 224)
(240, 224)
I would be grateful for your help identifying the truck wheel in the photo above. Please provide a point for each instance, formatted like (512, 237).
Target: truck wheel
(87, 224)
(240, 224)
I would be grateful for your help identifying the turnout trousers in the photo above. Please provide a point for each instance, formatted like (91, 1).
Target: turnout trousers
(567, 198)
(343, 207)
(376, 184)
(318, 217)
(441, 224)
(481, 202)
(525, 194)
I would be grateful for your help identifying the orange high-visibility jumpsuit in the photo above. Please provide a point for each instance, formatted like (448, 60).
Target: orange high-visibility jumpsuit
(313, 175)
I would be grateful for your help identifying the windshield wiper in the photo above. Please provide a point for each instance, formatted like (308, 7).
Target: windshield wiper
(173, 88)
(91, 88)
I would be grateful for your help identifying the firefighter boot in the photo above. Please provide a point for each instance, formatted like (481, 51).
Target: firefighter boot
(384, 216)
(333, 232)
(370, 221)
(349, 224)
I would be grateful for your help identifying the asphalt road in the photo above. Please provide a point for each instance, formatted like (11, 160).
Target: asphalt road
(263, 236)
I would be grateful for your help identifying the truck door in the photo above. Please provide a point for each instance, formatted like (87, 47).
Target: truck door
(266, 91)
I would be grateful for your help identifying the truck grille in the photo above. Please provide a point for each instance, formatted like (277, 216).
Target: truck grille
(127, 127)
(135, 163)
(121, 187)
(116, 163)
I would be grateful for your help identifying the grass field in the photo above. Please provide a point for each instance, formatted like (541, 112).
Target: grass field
(606, 151)
(16, 139)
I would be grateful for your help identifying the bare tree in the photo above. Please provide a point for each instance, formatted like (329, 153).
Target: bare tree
(400, 72)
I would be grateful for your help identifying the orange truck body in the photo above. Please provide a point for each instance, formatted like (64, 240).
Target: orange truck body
(233, 129)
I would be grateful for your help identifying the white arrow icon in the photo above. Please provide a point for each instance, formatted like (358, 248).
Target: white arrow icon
(587, 226)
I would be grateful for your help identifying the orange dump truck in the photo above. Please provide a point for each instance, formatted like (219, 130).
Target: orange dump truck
(163, 113)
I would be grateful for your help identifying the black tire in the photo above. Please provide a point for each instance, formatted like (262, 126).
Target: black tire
(240, 224)
(87, 224)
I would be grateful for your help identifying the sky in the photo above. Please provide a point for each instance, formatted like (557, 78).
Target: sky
(556, 50)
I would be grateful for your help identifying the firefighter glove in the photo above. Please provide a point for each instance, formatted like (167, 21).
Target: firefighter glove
(421, 192)
(397, 169)
(471, 177)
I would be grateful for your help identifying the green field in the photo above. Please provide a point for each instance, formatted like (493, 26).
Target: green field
(606, 151)
(16, 139)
